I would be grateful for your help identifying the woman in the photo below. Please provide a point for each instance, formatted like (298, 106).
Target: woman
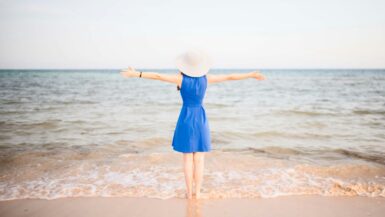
(192, 134)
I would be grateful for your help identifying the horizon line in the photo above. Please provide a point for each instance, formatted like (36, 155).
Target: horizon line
(227, 68)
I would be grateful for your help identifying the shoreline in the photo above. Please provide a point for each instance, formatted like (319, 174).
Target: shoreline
(304, 205)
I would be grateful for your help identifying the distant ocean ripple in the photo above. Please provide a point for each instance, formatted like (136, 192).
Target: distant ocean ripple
(68, 133)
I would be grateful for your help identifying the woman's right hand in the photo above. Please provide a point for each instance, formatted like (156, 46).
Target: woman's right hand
(129, 72)
(257, 75)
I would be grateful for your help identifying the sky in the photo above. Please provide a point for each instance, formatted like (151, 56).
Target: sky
(152, 33)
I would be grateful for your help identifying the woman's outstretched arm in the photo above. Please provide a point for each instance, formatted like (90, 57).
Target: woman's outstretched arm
(131, 72)
(234, 76)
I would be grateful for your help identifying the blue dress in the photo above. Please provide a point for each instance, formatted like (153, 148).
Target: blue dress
(192, 132)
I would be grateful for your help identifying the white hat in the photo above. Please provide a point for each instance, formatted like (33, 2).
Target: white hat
(194, 63)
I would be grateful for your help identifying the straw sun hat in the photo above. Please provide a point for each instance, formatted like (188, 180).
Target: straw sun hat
(194, 63)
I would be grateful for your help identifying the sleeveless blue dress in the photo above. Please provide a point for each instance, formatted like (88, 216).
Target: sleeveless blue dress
(192, 132)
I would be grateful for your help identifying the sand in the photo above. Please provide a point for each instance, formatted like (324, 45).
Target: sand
(124, 206)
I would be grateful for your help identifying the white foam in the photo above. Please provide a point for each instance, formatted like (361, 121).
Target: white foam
(134, 178)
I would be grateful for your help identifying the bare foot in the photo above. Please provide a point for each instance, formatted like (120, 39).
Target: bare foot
(200, 196)
(188, 196)
(197, 195)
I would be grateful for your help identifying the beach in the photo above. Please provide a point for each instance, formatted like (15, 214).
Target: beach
(286, 206)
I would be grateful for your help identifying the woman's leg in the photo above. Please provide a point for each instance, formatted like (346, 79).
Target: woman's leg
(188, 172)
(198, 172)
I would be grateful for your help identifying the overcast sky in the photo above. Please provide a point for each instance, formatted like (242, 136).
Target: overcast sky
(150, 34)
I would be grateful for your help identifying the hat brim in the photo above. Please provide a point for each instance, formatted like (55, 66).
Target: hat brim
(190, 70)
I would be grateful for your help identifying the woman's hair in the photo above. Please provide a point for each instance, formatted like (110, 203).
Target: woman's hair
(177, 87)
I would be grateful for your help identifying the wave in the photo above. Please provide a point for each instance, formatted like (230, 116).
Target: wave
(265, 150)
(231, 135)
(265, 183)
(10, 102)
(327, 153)
(160, 175)
(368, 112)
(374, 157)
(47, 124)
(305, 113)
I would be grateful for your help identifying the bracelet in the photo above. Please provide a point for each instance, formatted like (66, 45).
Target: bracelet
(140, 74)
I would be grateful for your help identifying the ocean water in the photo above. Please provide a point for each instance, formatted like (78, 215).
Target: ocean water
(71, 133)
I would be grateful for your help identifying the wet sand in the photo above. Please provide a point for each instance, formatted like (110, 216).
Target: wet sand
(125, 206)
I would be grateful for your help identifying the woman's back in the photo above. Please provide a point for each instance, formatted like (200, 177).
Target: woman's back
(192, 133)
(193, 90)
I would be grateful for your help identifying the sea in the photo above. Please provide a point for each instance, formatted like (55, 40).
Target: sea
(94, 133)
